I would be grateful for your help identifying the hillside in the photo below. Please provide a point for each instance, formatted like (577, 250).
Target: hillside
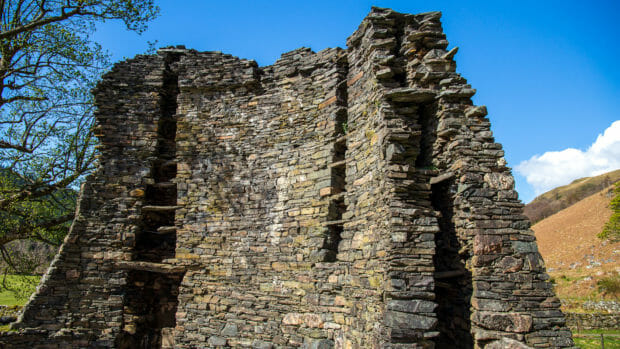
(574, 256)
(562, 197)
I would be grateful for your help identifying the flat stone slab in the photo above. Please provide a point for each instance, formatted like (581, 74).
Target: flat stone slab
(159, 208)
(150, 266)
(409, 94)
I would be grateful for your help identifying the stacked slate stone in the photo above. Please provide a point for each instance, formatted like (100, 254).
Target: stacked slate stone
(346, 198)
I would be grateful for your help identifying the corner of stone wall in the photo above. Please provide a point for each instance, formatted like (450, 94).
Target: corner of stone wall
(509, 290)
(80, 299)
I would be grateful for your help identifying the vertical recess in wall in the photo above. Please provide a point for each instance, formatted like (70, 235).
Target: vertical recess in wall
(157, 240)
(428, 125)
(338, 166)
(453, 282)
(152, 295)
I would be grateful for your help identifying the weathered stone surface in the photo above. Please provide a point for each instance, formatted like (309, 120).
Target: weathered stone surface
(229, 330)
(402, 320)
(319, 344)
(510, 322)
(501, 181)
(592, 321)
(411, 95)
(507, 343)
(216, 341)
(510, 264)
(485, 244)
(345, 198)
(412, 306)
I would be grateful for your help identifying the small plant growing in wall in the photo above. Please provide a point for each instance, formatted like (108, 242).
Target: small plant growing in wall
(346, 126)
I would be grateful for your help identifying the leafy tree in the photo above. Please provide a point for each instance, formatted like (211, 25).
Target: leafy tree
(48, 65)
(611, 230)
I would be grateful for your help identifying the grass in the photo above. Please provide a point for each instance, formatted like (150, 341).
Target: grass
(16, 289)
(590, 339)
(580, 285)
(5, 328)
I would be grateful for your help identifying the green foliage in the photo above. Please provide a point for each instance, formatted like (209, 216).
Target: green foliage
(48, 66)
(45, 219)
(611, 230)
(16, 289)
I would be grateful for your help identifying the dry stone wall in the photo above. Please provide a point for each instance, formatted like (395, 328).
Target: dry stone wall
(593, 321)
(341, 199)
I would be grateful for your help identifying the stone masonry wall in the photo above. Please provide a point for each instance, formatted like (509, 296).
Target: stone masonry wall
(592, 321)
(346, 198)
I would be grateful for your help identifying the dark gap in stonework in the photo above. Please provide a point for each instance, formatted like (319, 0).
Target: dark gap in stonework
(399, 64)
(151, 313)
(428, 124)
(151, 297)
(453, 282)
(337, 205)
(155, 244)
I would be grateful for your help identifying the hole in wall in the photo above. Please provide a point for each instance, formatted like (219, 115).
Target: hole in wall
(151, 298)
(428, 125)
(151, 305)
(453, 282)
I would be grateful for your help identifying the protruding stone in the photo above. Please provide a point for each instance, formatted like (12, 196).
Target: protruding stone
(450, 54)
(476, 111)
(411, 95)
(150, 266)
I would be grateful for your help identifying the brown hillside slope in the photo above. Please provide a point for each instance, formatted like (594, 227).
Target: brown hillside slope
(569, 236)
(562, 197)
(567, 242)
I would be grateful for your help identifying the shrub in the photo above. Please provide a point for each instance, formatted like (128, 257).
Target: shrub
(609, 285)
(611, 230)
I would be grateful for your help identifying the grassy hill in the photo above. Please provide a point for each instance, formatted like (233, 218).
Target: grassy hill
(576, 258)
(562, 197)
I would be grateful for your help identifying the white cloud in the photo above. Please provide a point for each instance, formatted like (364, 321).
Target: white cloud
(556, 168)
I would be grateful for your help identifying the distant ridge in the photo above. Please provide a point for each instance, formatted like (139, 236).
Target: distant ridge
(562, 197)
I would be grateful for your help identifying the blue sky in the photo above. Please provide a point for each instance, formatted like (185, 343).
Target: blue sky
(546, 70)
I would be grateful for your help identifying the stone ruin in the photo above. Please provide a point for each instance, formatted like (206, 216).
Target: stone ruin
(346, 198)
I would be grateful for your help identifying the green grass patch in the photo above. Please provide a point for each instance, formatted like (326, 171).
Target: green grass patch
(595, 343)
(16, 289)
(6, 328)
(599, 331)
(590, 339)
